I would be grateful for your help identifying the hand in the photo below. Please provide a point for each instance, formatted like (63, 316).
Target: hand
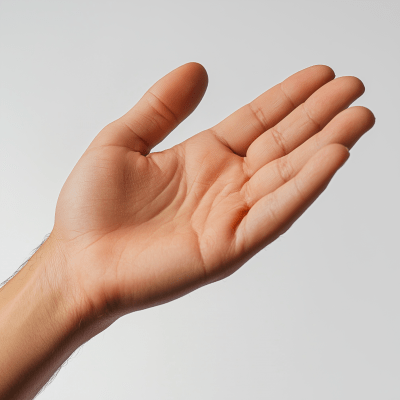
(139, 229)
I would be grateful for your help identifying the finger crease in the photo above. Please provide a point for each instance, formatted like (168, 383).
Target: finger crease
(287, 96)
(174, 116)
(260, 117)
(284, 169)
(278, 140)
(144, 142)
(318, 125)
(223, 141)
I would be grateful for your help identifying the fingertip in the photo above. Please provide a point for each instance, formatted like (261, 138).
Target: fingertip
(198, 65)
(370, 117)
(360, 84)
(364, 116)
(183, 88)
(353, 83)
(326, 70)
(198, 69)
(329, 71)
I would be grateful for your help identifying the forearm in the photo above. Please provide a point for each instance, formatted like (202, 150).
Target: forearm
(41, 324)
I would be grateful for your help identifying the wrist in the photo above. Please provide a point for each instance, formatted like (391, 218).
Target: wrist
(43, 320)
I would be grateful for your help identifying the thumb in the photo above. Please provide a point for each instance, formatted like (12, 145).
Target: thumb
(161, 109)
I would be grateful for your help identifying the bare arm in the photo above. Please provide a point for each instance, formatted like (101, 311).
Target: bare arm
(134, 229)
(38, 325)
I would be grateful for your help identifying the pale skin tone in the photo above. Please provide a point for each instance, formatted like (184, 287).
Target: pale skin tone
(135, 228)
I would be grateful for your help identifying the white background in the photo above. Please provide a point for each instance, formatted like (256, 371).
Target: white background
(313, 316)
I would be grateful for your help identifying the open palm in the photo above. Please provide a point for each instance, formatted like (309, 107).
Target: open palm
(142, 228)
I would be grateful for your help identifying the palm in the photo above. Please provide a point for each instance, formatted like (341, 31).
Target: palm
(152, 227)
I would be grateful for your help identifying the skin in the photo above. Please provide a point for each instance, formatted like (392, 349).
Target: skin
(134, 228)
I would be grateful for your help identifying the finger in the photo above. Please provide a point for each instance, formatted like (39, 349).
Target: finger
(242, 127)
(161, 109)
(304, 122)
(345, 129)
(273, 214)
